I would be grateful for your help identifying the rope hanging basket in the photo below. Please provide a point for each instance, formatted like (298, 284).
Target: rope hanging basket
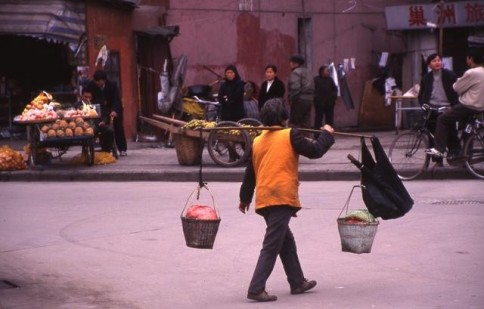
(200, 223)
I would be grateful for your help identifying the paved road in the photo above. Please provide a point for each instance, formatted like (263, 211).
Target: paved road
(120, 245)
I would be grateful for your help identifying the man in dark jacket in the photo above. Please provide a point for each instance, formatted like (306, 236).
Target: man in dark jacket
(106, 94)
(436, 90)
(436, 86)
(325, 93)
(300, 92)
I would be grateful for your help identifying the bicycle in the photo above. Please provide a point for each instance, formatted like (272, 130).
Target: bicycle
(408, 150)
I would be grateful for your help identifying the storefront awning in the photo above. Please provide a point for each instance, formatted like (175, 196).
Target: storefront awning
(60, 21)
(167, 32)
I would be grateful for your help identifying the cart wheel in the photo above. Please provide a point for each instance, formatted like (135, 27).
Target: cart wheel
(226, 149)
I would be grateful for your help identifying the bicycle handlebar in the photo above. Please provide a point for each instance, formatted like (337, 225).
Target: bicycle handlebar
(201, 101)
(427, 107)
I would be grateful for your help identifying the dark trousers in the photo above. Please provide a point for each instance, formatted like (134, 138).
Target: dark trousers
(278, 240)
(119, 133)
(323, 112)
(445, 132)
(106, 137)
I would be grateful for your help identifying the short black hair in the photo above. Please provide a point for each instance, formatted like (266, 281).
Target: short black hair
(297, 59)
(321, 69)
(476, 55)
(100, 75)
(432, 57)
(273, 113)
(271, 66)
(87, 89)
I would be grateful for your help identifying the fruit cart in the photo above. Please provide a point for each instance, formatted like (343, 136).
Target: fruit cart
(227, 147)
(50, 126)
(39, 137)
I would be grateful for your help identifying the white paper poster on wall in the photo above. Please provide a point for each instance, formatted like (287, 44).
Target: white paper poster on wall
(383, 60)
(447, 63)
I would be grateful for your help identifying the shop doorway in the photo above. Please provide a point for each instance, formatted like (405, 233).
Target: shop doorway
(28, 66)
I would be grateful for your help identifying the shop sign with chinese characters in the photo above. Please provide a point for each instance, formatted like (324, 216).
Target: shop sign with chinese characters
(423, 16)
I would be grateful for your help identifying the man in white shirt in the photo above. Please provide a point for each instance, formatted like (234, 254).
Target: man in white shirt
(470, 88)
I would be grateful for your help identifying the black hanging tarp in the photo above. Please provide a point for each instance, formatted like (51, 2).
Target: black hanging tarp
(384, 194)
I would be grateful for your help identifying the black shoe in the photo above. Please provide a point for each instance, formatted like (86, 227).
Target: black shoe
(262, 296)
(305, 286)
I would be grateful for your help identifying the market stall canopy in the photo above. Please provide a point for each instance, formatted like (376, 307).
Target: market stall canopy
(59, 21)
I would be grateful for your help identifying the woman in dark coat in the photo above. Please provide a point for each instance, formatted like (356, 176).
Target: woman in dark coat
(272, 87)
(325, 93)
(231, 95)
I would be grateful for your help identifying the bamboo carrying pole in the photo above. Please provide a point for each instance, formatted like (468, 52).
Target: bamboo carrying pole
(281, 128)
(175, 123)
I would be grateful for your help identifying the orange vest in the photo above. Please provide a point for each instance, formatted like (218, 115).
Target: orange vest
(276, 170)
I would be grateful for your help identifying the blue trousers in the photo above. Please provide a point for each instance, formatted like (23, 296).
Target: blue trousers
(278, 241)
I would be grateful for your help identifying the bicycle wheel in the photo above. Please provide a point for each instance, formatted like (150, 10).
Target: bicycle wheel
(474, 154)
(407, 154)
(227, 149)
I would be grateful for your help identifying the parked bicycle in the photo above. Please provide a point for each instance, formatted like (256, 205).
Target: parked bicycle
(408, 150)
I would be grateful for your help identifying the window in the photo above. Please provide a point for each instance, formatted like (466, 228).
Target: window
(304, 39)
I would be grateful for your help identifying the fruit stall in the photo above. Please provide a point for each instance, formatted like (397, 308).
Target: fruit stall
(50, 125)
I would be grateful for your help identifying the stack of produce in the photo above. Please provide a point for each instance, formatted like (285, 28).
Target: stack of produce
(201, 212)
(38, 109)
(359, 216)
(86, 111)
(198, 123)
(11, 160)
(67, 128)
(100, 158)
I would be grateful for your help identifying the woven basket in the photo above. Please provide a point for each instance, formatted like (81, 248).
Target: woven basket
(188, 149)
(199, 233)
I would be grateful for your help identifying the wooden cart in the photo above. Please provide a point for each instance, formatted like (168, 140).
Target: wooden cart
(227, 149)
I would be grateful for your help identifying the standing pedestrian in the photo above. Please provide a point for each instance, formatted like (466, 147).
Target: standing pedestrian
(300, 91)
(272, 171)
(106, 94)
(325, 94)
(272, 87)
(231, 95)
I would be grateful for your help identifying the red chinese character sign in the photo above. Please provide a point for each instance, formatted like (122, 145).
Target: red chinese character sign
(448, 14)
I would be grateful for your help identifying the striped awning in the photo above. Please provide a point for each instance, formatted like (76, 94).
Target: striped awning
(60, 21)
